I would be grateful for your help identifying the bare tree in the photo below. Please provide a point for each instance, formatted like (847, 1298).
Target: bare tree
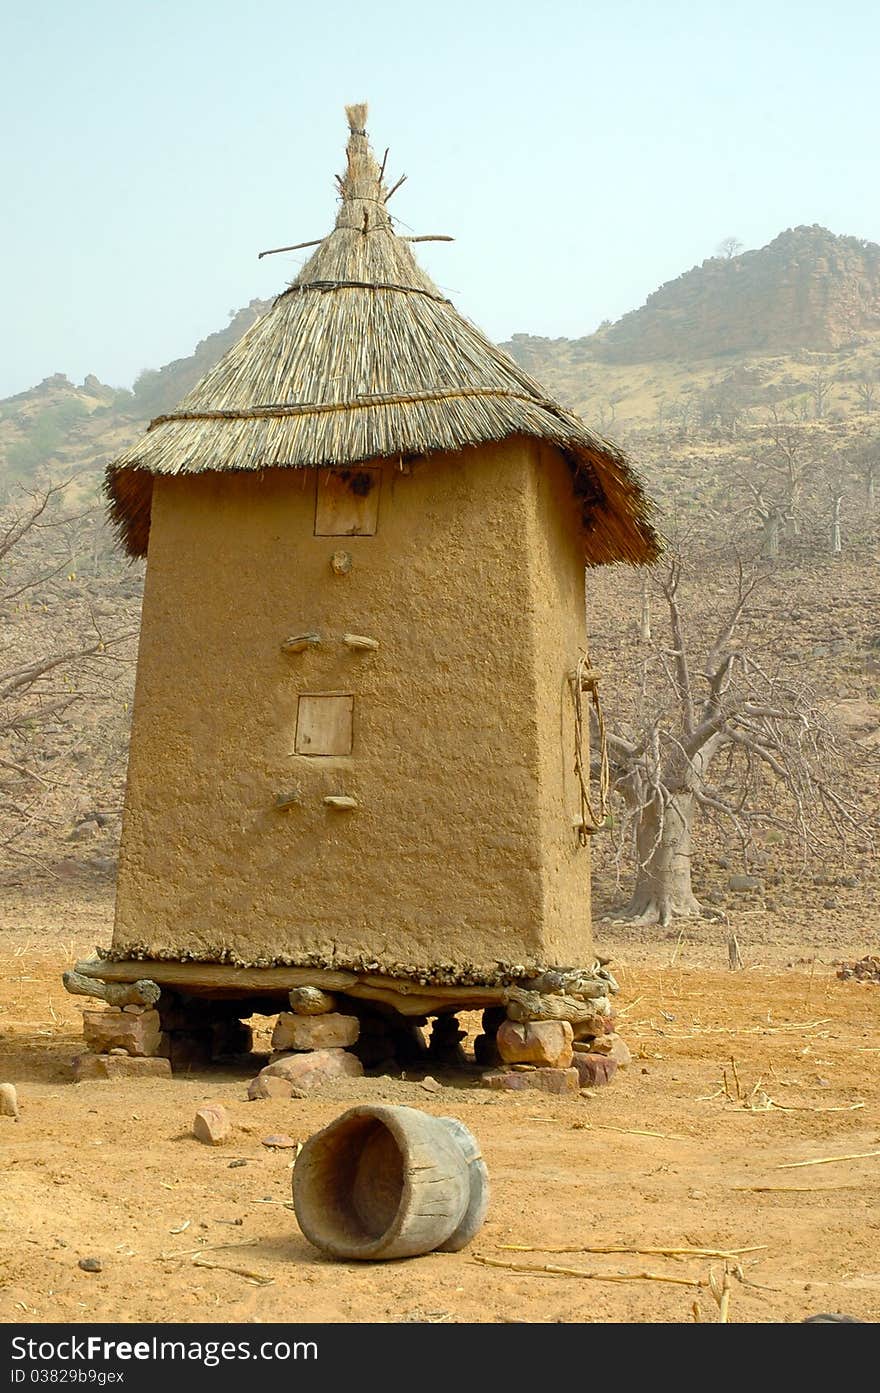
(791, 458)
(835, 471)
(769, 511)
(866, 391)
(606, 413)
(820, 387)
(38, 687)
(645, 611)
(718, 731)
(775, 475)
(866, 462)
(681, 413)
(729, 247)
(722, 408)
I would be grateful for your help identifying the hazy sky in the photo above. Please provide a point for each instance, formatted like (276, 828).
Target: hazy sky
(581, 153)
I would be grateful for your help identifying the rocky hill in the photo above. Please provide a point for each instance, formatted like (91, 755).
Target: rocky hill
(793, 327)
(808, 289)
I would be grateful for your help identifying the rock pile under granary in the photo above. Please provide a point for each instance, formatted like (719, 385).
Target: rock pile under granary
(147, 1031)
(554, 1032)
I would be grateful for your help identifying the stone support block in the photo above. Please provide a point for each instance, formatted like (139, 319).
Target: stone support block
(322, 1032)
(311, 1001)
(545, 1043)
(612, 1047)
(117, 1029)
(594, 1070)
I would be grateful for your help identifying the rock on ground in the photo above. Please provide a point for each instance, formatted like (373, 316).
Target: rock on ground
(545, 1080)
(212, 1124)
(305, 1072)
(118, 1066)
(742, 884)
(8, 1100)
(273, 1086)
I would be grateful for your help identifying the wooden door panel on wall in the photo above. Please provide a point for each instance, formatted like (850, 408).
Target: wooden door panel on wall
(324, 725)
(347, 502)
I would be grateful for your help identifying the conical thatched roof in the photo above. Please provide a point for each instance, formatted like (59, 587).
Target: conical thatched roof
(362, 357)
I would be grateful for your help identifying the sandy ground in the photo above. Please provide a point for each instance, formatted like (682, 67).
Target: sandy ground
(661, 1159)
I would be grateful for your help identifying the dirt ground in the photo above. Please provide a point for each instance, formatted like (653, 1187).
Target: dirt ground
(660, 1159)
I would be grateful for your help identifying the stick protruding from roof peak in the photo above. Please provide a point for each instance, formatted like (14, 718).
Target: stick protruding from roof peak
(364, 194)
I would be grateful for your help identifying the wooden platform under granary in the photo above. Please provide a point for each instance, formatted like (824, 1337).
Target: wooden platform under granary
(221, 981)
(331, 1022)
(572, 995)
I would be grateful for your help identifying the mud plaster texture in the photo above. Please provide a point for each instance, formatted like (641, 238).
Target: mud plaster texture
(461, 858)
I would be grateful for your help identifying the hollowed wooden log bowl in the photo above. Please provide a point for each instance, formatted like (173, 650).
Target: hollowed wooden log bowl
(390, 1182)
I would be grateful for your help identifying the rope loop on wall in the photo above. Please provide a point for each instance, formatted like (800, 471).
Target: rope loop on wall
(591, 819)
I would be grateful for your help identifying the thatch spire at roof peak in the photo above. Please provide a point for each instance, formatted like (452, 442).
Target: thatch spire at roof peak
(363, 247)
(364, 194)
(356, 115)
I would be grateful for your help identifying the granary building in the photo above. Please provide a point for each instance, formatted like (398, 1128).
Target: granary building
(354, 738)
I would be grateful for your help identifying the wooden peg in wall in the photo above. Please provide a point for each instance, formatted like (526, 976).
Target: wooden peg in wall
(297, 643)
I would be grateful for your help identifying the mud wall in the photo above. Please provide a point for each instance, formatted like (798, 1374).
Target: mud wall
(556, 583)
(451, 864)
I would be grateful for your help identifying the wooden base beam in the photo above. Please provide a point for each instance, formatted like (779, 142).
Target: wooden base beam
(223, 980)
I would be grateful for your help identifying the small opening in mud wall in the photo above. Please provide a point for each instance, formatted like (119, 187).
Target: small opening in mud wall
(347, 502)
(324, 725)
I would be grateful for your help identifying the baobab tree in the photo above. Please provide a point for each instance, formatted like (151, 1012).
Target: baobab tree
(769, 510)
(820, 390)
(718, 731)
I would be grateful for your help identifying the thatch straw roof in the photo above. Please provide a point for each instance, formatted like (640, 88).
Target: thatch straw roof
(363, 358)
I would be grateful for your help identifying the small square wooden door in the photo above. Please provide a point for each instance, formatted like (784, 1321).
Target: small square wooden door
(324, 725)
(347, 502)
